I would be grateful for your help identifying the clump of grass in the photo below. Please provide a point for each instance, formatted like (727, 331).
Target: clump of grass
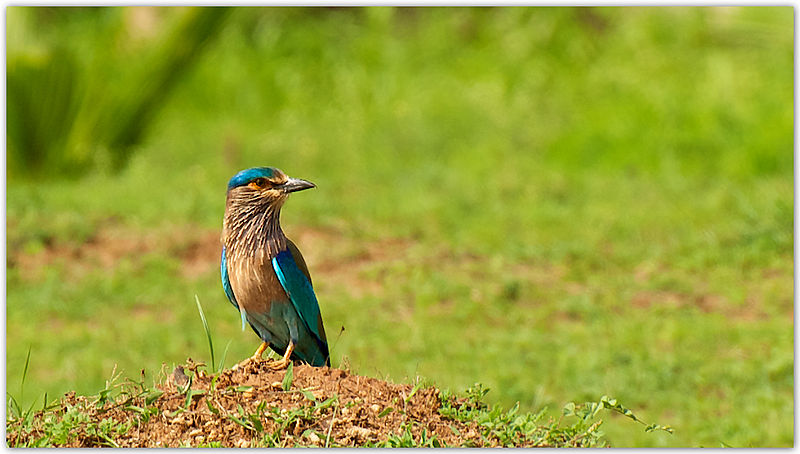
(512, 428)
(80, 422)
(14, 407)
(406, 439)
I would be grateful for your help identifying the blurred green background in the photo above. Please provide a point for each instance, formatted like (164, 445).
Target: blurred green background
(559, 203)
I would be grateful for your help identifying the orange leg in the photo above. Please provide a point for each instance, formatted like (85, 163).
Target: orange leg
(260, 351)
(256, 356)
(283, 363)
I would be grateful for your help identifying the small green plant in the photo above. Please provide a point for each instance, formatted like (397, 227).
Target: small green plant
(406, 439)
(589, 410)
(508, 428)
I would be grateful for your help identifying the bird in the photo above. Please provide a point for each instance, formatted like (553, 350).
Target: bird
(264, 274)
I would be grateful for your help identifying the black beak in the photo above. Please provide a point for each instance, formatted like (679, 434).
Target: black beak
(296, 184)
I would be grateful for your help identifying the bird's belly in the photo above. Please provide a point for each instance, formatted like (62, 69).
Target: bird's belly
(275, 323)
(261, 296)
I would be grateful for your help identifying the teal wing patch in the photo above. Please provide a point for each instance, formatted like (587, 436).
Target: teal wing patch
(226, 285)
(300, 292)
(226, 282)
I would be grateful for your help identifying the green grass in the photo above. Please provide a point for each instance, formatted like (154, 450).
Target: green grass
(559, 203)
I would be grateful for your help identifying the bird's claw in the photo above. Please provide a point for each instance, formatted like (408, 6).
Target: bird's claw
(248, 361)
(282, 363)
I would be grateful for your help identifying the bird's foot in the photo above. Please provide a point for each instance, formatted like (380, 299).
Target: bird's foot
(282, 363)
(249, 361)
(245, 362)
(256, 358)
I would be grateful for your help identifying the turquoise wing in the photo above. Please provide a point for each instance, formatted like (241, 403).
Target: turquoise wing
(226, 285)
(226, 282)
(297, 285)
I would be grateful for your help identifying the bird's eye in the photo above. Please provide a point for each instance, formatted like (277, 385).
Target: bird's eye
(259, 183)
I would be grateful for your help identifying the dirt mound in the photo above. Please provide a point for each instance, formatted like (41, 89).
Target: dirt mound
(314, 406)
(250, 405)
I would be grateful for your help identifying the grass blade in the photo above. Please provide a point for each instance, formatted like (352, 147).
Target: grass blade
(208, 330)
(224, 355)
(288, 377)
(13, 407)
(24, 375)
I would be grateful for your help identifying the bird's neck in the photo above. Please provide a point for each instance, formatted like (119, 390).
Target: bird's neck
(254, 231)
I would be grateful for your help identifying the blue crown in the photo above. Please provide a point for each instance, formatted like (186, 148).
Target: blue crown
(246, 176)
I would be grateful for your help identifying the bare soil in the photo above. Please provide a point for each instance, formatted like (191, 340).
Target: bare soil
(343, 263)
(364, 411)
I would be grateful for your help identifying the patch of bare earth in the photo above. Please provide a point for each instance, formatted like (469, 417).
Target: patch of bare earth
(757, 305)
(358, 267)
(103, 250)
(112, 243)
(362, 410)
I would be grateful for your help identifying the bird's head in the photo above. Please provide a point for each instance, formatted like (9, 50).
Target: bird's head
(265, 186)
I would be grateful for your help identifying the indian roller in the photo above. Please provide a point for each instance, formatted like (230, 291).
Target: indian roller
(263, 273)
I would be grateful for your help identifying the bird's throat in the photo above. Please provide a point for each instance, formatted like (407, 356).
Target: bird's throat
(254, 232)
